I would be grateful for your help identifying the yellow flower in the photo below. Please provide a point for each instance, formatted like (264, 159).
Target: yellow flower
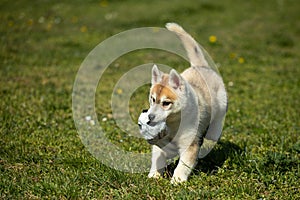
(30, 22)
(49, 26)
(83, 29)
(10, 23)
(212, 39)
(119, 91)
(241, 60)
(103, 3)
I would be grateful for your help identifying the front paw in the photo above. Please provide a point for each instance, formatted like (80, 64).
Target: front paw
(155, 174)
(178, 179)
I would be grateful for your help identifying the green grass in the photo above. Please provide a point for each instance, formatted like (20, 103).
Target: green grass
(42, 46)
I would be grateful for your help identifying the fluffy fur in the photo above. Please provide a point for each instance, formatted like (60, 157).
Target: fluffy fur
(192, 104)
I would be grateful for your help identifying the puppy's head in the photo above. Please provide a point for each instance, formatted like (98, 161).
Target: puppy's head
(165, 95)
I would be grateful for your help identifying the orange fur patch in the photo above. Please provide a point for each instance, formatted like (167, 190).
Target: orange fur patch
(162, 90)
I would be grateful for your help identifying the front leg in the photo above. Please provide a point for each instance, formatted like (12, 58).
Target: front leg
(187, 161)
(158, 162)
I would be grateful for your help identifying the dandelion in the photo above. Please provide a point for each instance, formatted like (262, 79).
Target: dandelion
(10, 23)
(103, 3)
(49, 26)
(30, 22)
(119, 91)
(212, 39)
(83, 29)
(241, 60)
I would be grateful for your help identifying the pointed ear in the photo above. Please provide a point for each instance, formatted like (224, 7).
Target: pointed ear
(175, 80)
(156, 75)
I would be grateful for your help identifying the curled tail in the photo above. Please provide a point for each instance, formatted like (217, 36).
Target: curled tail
(194, 51)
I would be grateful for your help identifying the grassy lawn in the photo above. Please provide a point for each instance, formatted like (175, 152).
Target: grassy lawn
(42, 46)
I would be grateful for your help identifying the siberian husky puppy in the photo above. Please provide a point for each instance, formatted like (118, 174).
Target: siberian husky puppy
(193, 105)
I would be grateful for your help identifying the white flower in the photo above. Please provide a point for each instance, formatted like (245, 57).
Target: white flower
(88, 118)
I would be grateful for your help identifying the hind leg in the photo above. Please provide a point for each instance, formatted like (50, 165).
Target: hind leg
(212, 136)
(215, 128)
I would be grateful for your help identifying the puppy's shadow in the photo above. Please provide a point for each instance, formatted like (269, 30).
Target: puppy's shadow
(214, 160)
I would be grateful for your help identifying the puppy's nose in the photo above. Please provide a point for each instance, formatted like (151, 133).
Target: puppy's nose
(151, 117)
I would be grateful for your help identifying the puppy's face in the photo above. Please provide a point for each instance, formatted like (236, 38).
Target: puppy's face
(164, 95)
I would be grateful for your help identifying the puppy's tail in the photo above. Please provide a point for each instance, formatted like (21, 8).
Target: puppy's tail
(194, 51)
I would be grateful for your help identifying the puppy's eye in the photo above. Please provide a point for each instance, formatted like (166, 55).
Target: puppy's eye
(166, 103)
(152, 99)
